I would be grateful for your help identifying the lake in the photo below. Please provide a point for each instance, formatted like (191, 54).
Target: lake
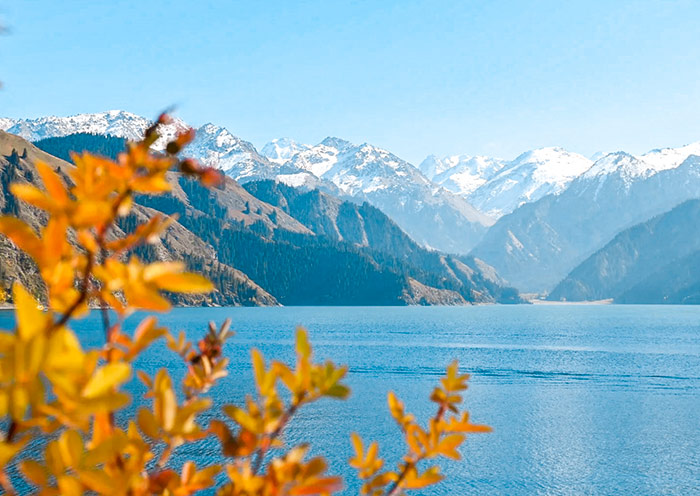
(583, 399)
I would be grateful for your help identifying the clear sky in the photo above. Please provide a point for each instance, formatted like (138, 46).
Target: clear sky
(416, 77)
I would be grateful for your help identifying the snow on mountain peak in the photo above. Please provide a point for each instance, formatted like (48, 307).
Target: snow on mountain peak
(462, 174)
(337, 143)
(630, 167)
(527, 178)
(434, 165)
(281, 150)
(670, 158)
(617, 162)
(119, 123)
(552, 165)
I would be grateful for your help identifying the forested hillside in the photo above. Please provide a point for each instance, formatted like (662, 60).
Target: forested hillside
(107, 146)
(653, 262)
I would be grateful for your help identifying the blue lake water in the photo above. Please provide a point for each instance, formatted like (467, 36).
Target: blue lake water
(582, 399)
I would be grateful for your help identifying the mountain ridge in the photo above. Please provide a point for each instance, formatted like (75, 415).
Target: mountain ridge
(282, 255)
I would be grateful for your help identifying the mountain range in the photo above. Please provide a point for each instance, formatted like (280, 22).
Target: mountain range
(497, 187)
(255, 252)
(432, 215)
(538, 244)
(529, 221)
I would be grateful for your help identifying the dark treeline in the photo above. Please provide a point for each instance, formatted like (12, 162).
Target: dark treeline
(296, 269)
(62, 147)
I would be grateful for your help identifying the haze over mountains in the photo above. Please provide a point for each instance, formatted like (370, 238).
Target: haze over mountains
(533, 219)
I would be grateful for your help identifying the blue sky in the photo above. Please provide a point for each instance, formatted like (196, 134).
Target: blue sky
(416, 77)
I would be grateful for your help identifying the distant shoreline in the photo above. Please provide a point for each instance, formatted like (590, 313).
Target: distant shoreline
(608, 301)
(528, 301)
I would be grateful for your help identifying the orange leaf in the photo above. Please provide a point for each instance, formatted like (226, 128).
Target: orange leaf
(22, 235)
(53, 184)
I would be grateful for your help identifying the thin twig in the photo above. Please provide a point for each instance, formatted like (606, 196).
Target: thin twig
(273, 435)
(395, 488)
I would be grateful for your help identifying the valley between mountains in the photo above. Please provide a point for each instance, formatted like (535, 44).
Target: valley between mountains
(339, 223)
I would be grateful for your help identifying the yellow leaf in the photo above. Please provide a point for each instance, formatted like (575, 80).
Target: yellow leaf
(429, 477)
(32, 195)
(87, 240)
(54, 237)
(449, 444)
(303, 346)
(53, 459)
(147, 423)
(183, 283)
(70, 486)
(141, 297)
(242, 418)
(168, 410)
(70, 445)
(8, 451)
(261, 377)
(105, 378)
(34, 472)
(204, 478)
(157, 269)
(320, 486)
(105, 404)
(91, 213)
(357, 445)
(145, 378)
(7, 342)
(30, 319)
(97, 480)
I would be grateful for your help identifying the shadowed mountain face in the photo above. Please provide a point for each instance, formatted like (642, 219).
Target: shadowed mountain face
(369, 228)
(653, 262)
(300, 247)
(342, 221)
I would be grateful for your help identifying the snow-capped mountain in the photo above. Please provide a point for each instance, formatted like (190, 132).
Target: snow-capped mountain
(462, 174)
(528, 178)
(539, 243)
(213, 145)
(113, 122)
(557, 207)
(496, 186)
(434, 165)
(430, 214)
(280, 150)
(669, 158)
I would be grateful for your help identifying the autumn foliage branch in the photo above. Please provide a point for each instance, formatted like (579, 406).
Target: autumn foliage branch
(53, 389)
